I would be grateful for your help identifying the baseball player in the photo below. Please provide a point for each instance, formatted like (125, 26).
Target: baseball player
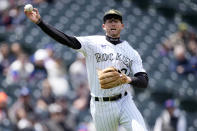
(113, 67)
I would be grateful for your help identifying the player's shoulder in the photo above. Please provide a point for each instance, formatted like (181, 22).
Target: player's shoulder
(93, 37)
(127, 45)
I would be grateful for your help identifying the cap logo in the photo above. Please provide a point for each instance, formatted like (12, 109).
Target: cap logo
(113, 12)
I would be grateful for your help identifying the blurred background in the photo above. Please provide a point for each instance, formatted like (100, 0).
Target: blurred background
(43, 84)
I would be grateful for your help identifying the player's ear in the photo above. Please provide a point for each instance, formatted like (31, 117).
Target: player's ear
(122, 26)
(103, 26)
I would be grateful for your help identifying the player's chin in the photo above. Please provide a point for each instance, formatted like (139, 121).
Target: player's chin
(113, 34)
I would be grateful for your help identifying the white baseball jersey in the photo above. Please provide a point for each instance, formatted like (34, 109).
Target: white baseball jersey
(100, 54)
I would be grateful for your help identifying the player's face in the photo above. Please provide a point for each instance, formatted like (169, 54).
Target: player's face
(113, 27)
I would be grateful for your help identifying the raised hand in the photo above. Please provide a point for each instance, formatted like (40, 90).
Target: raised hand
(33, 15)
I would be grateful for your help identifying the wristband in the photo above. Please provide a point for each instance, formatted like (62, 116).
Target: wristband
(38, 22)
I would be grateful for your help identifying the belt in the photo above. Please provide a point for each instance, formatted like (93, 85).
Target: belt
(112, 98)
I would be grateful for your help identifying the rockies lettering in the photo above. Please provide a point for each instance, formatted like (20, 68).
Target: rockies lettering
(103, 57)
(100, 57)
(126, 61)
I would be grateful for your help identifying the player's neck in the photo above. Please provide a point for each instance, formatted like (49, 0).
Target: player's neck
(114, 41)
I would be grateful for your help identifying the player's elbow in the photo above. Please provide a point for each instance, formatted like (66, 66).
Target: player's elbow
(141, 80)
(144, 85)
(145, 82)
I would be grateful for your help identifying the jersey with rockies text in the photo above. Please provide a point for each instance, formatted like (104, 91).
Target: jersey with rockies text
(100, 54)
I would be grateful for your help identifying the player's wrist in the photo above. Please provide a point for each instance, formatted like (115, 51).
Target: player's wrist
(38, 21)
(129, 80)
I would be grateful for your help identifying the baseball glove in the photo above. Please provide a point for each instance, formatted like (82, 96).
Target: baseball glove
(111, 77)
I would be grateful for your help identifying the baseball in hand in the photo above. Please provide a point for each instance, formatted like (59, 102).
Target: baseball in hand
(28, 7)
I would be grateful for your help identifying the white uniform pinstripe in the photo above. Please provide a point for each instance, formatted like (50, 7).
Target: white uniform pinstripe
(101, 54)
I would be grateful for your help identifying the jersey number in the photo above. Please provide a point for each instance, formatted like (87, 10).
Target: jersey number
(125, 71)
